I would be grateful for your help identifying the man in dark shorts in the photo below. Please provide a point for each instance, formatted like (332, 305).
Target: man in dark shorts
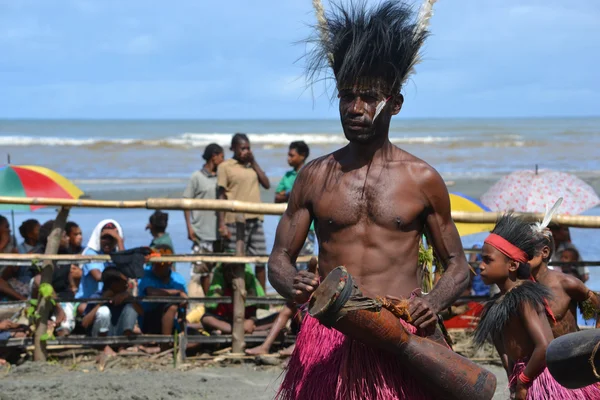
(371, 202)
(202, 224)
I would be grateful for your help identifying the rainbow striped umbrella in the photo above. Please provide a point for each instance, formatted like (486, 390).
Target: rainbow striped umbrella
(34, 181)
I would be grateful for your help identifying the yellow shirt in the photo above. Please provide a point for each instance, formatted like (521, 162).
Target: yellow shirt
(240, 183)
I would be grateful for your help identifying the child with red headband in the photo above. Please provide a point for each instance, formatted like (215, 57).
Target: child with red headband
(516, 320)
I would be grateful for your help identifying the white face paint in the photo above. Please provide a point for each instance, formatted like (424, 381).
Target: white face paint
(379, 108)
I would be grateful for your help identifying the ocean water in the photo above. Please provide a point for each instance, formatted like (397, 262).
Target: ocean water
(145, 152)
(128, 156)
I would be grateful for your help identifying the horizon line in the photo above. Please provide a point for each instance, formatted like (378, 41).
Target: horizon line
(136, 119)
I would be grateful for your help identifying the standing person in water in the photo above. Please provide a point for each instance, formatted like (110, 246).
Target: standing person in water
(239, 179)
(371, 203)
(567, 290)
(516, 320)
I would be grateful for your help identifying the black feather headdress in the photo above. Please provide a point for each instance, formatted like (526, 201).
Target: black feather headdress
(376, 47)
(498, 311)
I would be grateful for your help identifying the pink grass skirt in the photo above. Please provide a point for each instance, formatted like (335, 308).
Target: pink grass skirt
(544, 387)
(327, 365)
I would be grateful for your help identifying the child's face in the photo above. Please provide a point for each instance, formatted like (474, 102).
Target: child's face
(64, 240)
(568, 256)
(75, 237)
(4, 228)
(34, 234)
(495, 267)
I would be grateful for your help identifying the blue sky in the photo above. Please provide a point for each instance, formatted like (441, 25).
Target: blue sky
(237, 59)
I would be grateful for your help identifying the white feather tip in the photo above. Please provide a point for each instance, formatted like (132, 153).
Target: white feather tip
(540, 226)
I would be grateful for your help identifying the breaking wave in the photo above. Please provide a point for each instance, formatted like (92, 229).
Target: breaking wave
(264, 140)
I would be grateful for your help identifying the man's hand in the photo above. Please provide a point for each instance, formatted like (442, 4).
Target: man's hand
(191, 234)
(422, 313)
(8, 324)
(306, 282)
(224, 232)
(520, 391)
(250, 158)
(183, 295)
(112, 232)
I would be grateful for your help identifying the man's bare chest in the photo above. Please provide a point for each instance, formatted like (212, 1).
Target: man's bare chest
(394, 205)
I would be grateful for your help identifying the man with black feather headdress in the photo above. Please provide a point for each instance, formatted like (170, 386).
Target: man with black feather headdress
(371, 202)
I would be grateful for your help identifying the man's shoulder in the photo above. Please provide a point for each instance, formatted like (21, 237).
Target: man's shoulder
(320, 164)
(289, 174)
(177, 278)
(227, 164)
(420, 170)
(88, 251)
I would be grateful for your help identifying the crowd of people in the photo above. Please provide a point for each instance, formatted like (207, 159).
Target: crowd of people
(237, 178)
(372, 203)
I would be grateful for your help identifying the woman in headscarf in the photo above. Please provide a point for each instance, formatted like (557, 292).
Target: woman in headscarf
(106, 238)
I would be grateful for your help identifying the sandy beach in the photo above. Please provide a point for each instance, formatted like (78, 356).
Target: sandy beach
(33, 381)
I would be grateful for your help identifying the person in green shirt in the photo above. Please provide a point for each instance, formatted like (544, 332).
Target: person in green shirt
(297, 155)
(158, 226)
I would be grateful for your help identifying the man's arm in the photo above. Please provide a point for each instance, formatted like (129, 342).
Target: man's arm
(289, 239)
(188, 224)
(190, 193)
(9, 291)
(151, 291)
(262, 177)
(96, 274)
(281, 194)
(447, 248)
(588, 300)
(223, 231)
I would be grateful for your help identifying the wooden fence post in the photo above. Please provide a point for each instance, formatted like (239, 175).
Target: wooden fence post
(45, 305)
(239, 289)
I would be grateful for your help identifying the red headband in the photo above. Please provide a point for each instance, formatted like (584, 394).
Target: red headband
(505, 247)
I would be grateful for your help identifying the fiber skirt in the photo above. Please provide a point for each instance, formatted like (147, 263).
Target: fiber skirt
(545, 387)
(327, 365)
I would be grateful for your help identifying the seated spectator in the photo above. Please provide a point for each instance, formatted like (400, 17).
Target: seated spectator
(7, 291)
(570, 255)
(73, 231)
(114, 318)
(106, 238)
(7, 244)
(562, 241)
(161, 280)
(30, 231)
(10, 329)
(62, 282)
(219, 317)
(478, 288)
(158, 226)
(14, 280)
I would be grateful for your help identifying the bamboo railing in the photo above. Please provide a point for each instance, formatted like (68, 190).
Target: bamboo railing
(576, 221)
(228, 206)
(172, 258)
